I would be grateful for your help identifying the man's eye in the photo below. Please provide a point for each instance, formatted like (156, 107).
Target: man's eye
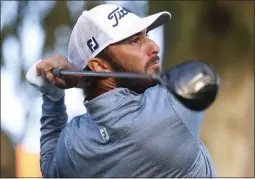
(136, 40)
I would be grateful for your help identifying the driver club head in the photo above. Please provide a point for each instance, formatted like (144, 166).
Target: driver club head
(195, 84)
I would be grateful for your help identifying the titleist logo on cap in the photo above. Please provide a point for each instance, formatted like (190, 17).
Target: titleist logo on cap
(118, 14)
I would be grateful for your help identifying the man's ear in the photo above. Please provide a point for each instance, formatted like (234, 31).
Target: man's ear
(99, 65)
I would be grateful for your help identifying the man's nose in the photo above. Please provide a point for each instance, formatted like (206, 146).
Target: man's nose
(153, 48)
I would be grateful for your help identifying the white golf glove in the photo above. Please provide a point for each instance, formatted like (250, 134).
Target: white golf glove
(43, 85)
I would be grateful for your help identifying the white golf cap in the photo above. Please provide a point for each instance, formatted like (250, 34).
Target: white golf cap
(104, 25)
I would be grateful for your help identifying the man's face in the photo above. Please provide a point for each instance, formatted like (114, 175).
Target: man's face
(137, 54)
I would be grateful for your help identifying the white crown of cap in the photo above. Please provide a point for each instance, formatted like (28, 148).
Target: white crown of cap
(104, 25)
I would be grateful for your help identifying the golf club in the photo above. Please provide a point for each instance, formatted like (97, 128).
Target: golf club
(194, 83)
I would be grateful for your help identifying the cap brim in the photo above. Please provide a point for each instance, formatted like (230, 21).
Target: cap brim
(150, 22)
(157, 20)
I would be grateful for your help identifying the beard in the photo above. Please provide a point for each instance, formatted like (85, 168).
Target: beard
(136, 85)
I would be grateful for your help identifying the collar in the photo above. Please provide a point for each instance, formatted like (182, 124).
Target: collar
(100, 106)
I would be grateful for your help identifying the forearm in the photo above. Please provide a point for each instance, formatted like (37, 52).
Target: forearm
(53, 121)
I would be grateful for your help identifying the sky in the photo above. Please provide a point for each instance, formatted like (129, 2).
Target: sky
(16, 98)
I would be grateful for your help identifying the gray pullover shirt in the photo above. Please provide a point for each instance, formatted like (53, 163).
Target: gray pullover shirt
(124, 134)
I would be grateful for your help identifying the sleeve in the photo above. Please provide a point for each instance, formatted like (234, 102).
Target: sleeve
(53, 121)
(192, 119)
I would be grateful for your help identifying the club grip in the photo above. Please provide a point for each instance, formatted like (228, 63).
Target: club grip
(56, 72)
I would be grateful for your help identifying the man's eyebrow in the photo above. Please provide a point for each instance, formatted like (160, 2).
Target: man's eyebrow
(137, 34)
(129, 38)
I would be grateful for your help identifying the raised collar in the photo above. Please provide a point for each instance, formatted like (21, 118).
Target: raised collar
(105, 103)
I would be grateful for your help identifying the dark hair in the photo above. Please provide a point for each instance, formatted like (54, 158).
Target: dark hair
(90, 85)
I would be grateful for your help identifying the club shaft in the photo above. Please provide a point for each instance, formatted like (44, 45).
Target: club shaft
(61, 72)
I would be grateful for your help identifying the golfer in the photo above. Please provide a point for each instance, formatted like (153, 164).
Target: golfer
(132, 128)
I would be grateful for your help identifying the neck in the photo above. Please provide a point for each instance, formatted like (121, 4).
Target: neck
(104, 86)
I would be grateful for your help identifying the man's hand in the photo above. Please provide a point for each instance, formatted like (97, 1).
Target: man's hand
(40, 76)
(44, 68)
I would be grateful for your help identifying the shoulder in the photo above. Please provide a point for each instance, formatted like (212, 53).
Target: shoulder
(161, 105)
(76, 121)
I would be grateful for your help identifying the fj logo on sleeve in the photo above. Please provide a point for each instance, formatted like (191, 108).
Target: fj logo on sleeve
(92, 44)
(104, 134)
(117, 14)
